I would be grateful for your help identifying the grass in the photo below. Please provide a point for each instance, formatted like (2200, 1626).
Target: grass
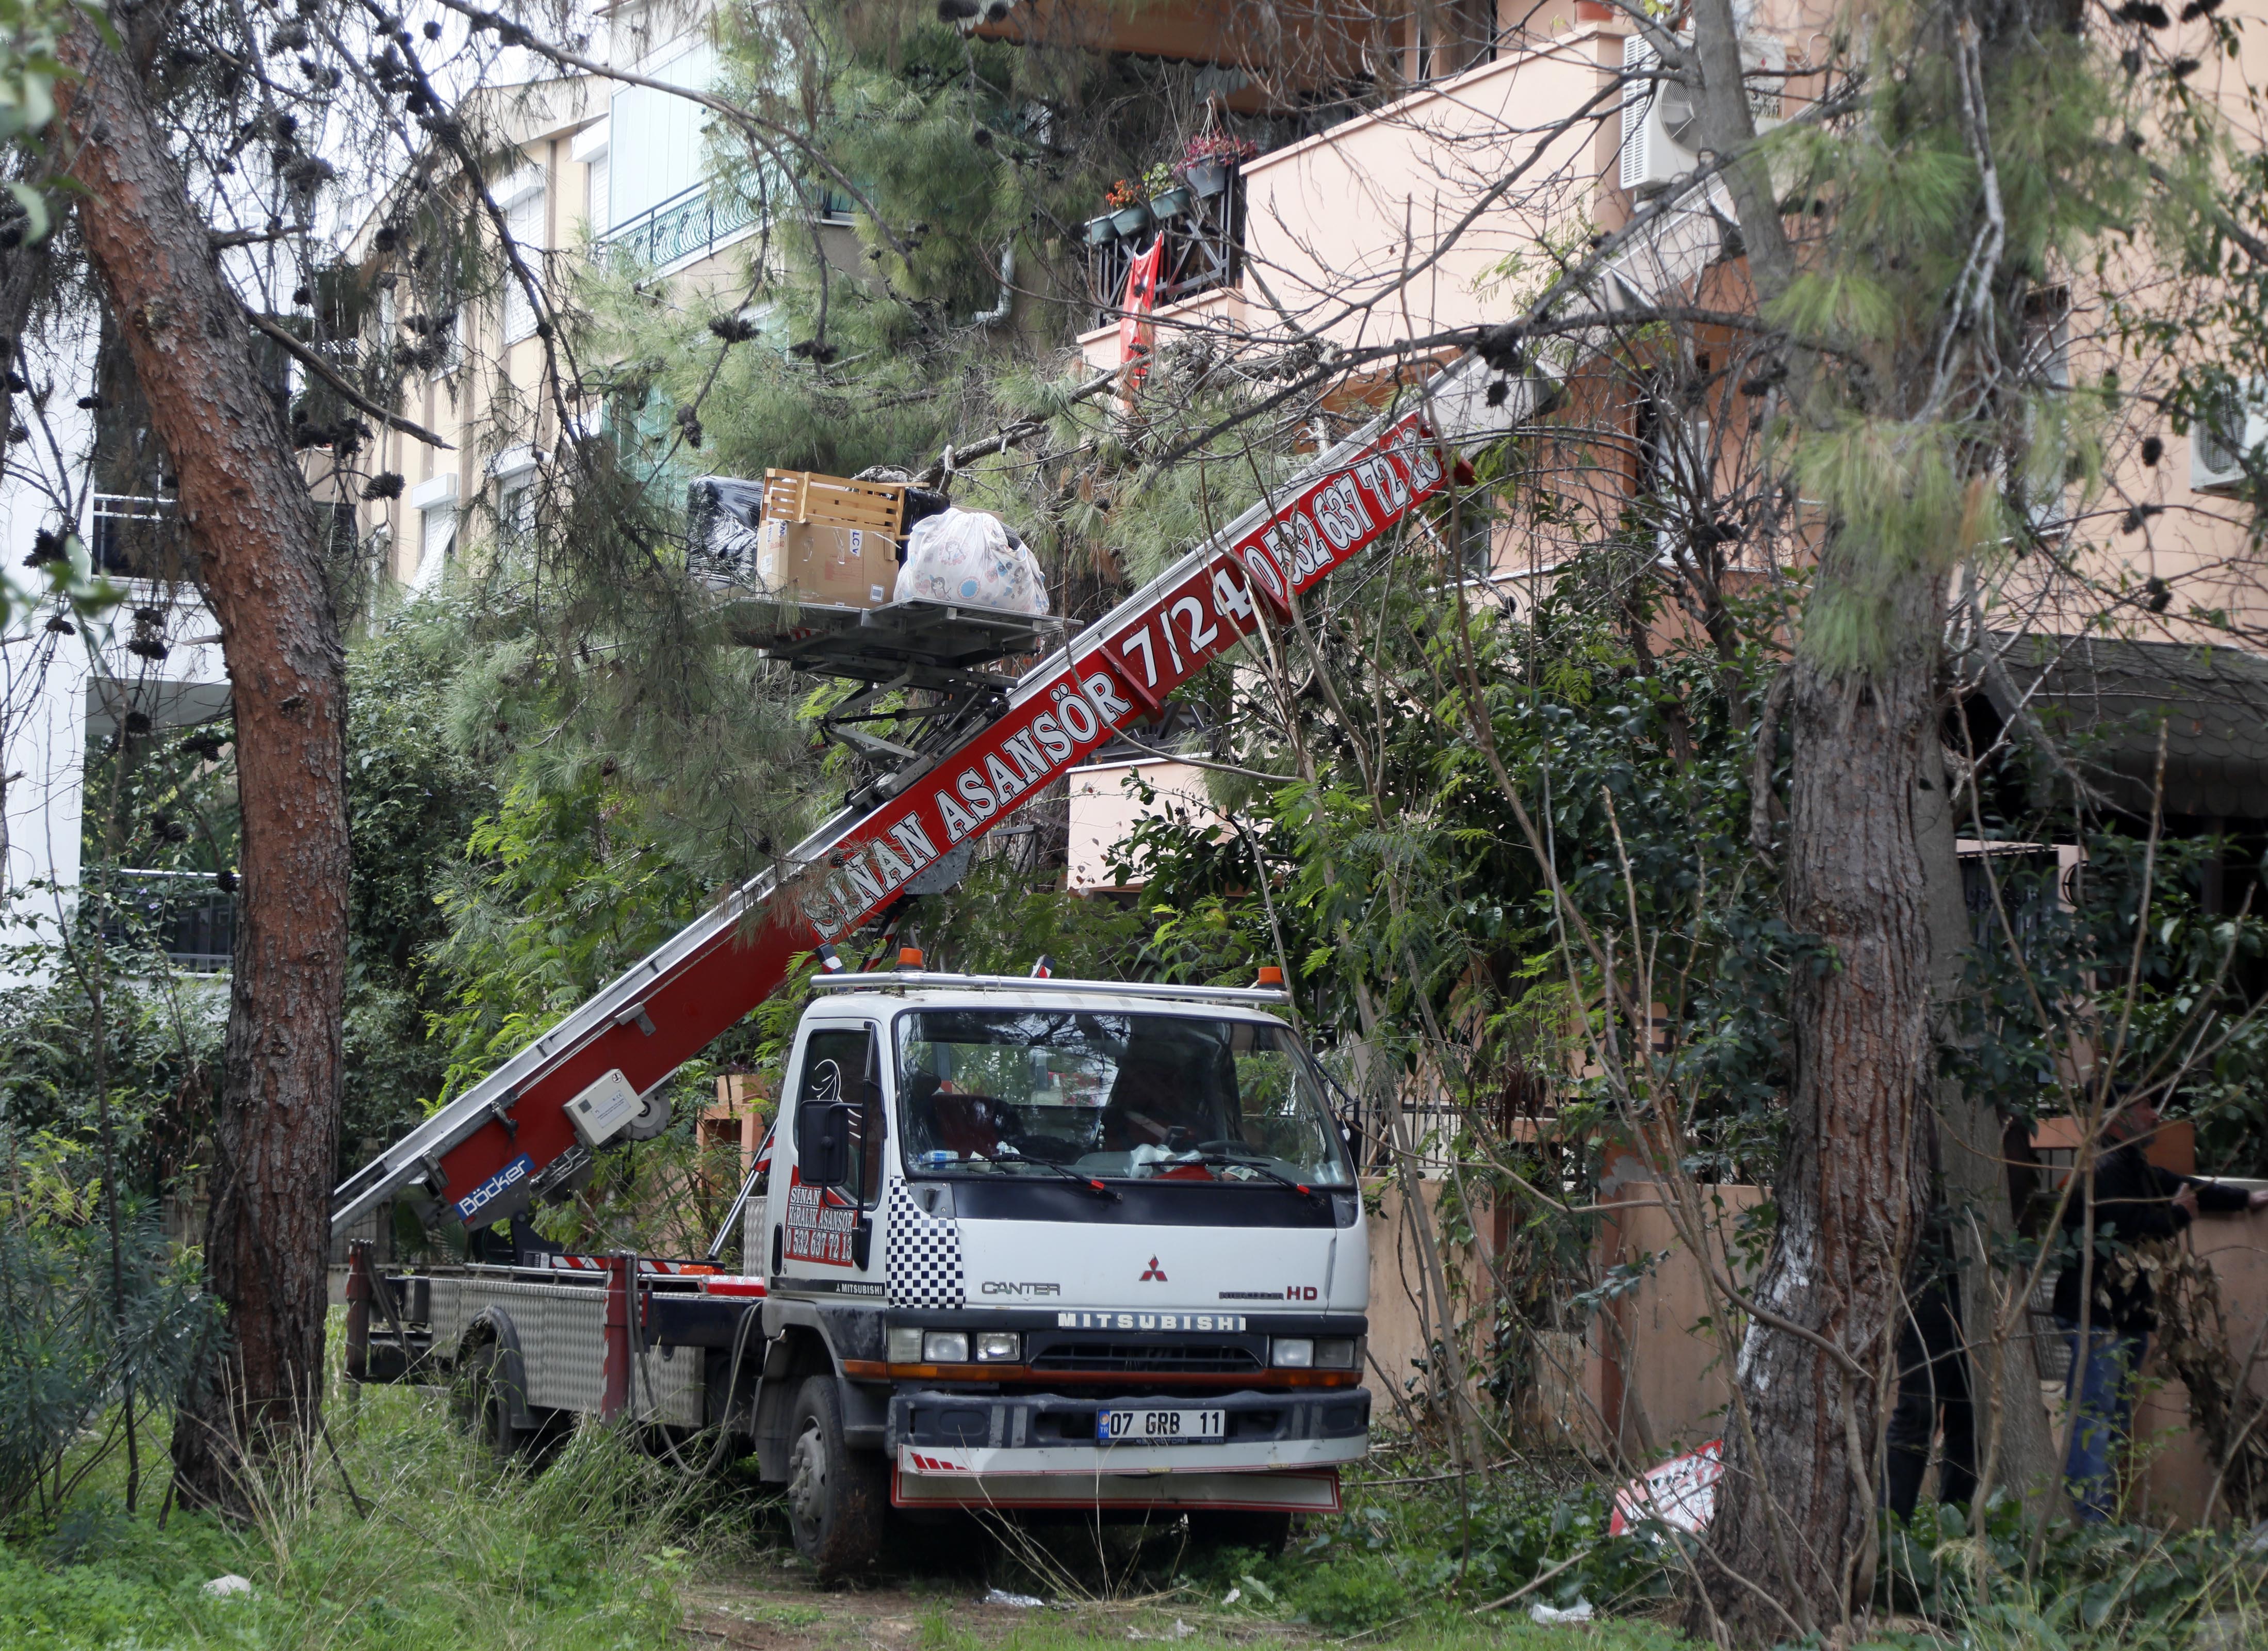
(610, 1549)
(607, 1547)
(451, 1551)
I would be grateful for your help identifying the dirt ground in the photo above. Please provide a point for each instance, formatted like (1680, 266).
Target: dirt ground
(779, 1608)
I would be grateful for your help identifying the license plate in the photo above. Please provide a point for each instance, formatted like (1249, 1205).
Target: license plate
(1159, 1427)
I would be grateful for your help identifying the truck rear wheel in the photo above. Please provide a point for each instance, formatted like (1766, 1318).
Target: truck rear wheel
(837, 1497)
(1240, 1527)
(484, 1403)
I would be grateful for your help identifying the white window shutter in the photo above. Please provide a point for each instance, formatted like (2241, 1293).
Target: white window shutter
(1638, 58)
(438, 540)
(524, 219)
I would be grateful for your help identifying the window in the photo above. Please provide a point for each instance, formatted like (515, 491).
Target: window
(837, 1063)
(445, 347)
(597, 213)
(524, 221)
(1474, 530)
(1033, 1093)
(2046, 369)
(516, 509)
(1677, 480)
(654, 143)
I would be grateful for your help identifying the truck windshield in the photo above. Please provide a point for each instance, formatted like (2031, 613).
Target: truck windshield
(1036, 1093)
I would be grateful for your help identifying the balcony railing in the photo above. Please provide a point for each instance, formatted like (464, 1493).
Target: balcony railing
(688, 225)
(185, 914)
(1205, 249)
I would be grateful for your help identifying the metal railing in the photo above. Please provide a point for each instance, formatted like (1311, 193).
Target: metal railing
(1205, 249)
(688, 225)
(131, 534)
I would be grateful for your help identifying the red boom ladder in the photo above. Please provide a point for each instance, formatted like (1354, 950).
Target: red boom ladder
(507, 1138)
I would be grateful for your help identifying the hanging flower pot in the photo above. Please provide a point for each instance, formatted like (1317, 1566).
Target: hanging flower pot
(1208, 178)
(1100, 230)
(1172, 202)
(1132, 220)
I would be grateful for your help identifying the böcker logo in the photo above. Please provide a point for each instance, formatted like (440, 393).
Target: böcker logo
(1154, 1271)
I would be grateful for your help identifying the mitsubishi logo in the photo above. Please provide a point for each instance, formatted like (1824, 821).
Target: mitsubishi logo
(1154, 1271)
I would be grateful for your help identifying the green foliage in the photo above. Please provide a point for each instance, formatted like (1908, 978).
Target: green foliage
(83, 1329)
(1001, 920)
(1925, 447)
(160, 1040)
(560, 892)
(2086, 1585)
(2179, 982)
(412, 796)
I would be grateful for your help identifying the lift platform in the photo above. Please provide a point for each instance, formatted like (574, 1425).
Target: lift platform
(934, 646)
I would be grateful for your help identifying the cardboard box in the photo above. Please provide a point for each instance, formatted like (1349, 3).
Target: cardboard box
(842, 567)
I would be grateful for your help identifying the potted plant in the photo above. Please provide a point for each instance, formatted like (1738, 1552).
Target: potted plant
(1169, 196)
(1209, 157)
(1130, 212)
(1101, 231)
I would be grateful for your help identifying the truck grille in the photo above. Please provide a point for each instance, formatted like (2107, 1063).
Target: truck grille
(1147, 1358)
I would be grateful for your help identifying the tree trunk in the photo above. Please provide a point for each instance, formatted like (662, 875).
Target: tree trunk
(1796, 1517)
(244, 505)
(2014, 1447)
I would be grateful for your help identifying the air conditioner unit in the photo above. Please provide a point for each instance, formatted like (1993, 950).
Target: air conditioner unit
(2218, 444)
(1661, 119)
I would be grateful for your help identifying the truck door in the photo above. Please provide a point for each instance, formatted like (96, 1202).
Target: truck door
(823, 1237)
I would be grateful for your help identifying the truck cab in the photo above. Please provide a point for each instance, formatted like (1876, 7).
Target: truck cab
(1057, 1244)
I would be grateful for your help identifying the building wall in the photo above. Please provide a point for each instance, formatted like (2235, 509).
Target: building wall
(1104, 812)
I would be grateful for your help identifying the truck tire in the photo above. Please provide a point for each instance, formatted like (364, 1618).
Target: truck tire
(837, 1497)
(1240, 1527)
(481, 1403)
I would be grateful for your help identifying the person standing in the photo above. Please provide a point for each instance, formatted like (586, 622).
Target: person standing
(2134, 1201)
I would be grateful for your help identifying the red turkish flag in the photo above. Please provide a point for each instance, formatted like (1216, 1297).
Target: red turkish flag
(1135, 330)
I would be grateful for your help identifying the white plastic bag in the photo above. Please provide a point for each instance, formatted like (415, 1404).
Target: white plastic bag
(967, 556)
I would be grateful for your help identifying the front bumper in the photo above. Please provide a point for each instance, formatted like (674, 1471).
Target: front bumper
(940, 1433)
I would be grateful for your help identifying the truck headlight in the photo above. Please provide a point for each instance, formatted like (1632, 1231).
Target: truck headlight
(905, 1344)
(1291, 1353)
(945, 1346)
(998, 1345)
(1338, 1353)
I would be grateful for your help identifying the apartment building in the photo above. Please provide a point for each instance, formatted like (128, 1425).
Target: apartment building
(595, 169)
(1394, 186)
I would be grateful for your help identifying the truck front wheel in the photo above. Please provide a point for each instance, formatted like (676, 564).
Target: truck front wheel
(835, 1496)
(1240, 1527)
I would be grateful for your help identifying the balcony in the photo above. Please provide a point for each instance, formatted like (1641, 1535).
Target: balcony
(1202, 224)
(135, 536)
(690, 224)
(185, 915)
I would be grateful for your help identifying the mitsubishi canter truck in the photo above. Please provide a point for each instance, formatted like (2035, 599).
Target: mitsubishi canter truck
(1021, 1244)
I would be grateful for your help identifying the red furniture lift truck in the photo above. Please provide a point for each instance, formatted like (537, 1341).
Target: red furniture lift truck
(1023, 1242)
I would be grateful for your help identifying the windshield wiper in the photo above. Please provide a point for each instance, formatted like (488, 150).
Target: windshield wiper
(1085, 1183)
(1258, 1165)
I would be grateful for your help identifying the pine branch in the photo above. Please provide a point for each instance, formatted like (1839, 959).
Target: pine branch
(324, 371)
(1010, 435)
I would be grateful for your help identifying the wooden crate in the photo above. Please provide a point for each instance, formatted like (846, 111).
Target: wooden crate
(834, 501)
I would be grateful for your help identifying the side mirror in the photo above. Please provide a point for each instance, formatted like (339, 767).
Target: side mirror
(822, 1143)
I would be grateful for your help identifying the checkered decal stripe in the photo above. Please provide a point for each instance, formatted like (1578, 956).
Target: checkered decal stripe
(922, 1256)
